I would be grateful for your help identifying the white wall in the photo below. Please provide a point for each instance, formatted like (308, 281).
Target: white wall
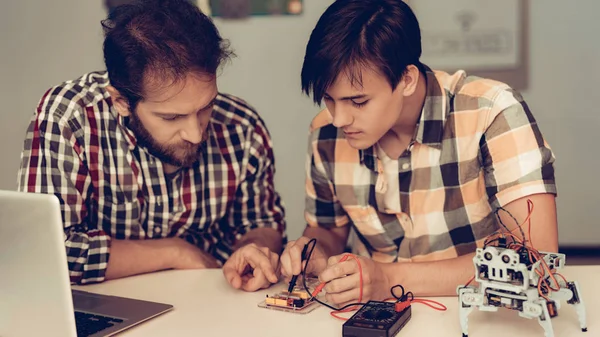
(42, 44)
(565, 79)
(46, 42)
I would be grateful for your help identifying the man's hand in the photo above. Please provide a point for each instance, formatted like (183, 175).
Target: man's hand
(251, 268)
(291, 259)
(343, 280)
(192, 257)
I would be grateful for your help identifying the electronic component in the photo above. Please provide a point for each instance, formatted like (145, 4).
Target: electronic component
(298, 301)
(288, 300)
(376, 319)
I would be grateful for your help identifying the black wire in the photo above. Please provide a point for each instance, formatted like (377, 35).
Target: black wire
(399, 298)
(310, 251)
(515, 220)
(503, 225)
(487, 243)
(404, 296)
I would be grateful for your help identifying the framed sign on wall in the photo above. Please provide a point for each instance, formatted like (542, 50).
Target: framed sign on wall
(488, 38)
(236, 9)
(233, 9)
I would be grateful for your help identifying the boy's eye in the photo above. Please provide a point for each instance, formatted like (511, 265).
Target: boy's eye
(359, 104)
(171, 118)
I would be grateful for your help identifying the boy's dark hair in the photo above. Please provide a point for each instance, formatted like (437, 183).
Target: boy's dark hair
(164, 38)
(381, 34)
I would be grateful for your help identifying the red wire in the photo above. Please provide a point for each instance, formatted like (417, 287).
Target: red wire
(430, 303)
(543, 271)
(529, 210)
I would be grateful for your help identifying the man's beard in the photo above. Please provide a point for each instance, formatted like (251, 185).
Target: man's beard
(184, 154)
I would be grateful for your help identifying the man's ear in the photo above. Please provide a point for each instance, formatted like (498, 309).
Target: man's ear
(410, 79)
(119, 101)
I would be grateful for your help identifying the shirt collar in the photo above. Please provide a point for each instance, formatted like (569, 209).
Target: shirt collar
(122, 122)
(430, 128)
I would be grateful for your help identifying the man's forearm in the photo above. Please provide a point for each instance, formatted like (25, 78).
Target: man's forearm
(263, 237)
(436, 278)
(132, 257)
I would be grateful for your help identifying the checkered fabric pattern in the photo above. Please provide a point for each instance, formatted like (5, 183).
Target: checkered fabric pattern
(78, 148)
(476, 147)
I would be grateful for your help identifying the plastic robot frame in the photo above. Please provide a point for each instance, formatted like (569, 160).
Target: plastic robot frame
(518, 277)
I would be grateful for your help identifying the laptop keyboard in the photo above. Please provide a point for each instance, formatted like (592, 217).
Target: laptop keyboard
(89, 324)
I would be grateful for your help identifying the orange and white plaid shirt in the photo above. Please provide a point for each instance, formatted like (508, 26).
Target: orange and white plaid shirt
(476, 147)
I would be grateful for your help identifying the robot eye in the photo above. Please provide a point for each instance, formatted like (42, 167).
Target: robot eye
(506, 259)
(488, 256)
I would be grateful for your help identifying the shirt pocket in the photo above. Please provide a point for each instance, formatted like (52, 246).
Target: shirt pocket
(366, 220)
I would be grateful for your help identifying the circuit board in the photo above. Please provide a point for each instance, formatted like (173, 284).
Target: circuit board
(298, 301)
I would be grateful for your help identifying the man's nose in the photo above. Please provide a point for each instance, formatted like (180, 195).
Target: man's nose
(192, 132)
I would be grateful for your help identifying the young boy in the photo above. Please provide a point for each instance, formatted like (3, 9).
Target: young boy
(416, 161)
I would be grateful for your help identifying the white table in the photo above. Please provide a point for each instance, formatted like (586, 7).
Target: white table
(205, 305)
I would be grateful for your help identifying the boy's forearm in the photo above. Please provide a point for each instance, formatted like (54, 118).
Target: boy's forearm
(332, 241)
(436, 278)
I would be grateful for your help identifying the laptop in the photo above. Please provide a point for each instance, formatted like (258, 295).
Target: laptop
(36, 298)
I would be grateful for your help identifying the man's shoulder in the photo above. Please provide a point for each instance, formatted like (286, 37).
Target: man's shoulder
(234, 111)
(70, 98)
(469, 92)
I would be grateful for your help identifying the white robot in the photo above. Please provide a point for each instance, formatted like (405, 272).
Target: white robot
(507, 278)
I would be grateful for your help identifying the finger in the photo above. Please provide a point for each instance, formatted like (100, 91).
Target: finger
(290, 243)
(338, 270)
(232, 276)
(343, 284)
(344, 298)
(246, 278)
(291, 259)
(285, 264)
(335, 259)
(258, 260)
(302, 241)
(274, 260)
(296, 258)
(256, 282)
(273, 257)
(275, 264)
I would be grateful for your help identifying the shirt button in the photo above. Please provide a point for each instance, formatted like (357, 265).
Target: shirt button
(405, 166)
(157, 230)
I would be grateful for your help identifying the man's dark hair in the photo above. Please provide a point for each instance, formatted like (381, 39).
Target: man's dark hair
(381, 34)
(165, 39)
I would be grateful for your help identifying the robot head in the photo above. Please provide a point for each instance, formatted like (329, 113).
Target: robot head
(497, 264)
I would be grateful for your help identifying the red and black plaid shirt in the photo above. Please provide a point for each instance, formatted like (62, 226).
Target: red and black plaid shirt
(79, 149)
